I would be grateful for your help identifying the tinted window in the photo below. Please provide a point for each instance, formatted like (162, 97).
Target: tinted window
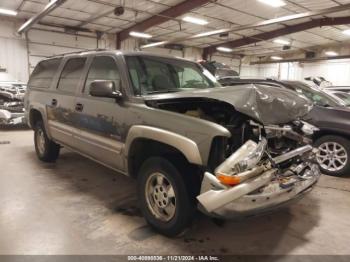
(71, 74)
(44, 72)
(102, 68)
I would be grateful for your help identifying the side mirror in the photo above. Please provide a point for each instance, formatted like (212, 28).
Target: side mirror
(104, 88)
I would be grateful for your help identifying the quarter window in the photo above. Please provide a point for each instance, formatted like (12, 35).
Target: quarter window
(43, 73)
(71, 74)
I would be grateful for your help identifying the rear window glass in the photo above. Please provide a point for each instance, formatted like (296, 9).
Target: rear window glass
(44, 72)
(71, 74)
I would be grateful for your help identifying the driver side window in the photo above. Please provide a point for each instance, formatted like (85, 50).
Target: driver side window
(188, 76)
(102, 68)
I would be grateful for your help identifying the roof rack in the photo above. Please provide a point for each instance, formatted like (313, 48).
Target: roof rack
(79, 52)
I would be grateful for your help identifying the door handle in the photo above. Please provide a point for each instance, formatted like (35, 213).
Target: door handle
(79, 107)
(54, 102)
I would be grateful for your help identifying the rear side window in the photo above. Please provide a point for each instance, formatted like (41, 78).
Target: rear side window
(71, 74)
(43, 73)
(102, 68)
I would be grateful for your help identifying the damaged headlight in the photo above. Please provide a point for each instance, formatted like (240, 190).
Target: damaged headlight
(308, 129)
(247, 157)
(253, 158)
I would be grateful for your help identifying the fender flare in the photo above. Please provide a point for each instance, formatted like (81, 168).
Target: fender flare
(42, 111)
(185, 145)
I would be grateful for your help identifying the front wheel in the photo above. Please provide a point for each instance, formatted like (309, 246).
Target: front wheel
(333, 156)
(46, 149)
(165, 196)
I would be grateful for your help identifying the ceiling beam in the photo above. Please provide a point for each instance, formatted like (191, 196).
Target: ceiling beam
(35, 19)
(328, 21)
(279, 20)
(172, 12)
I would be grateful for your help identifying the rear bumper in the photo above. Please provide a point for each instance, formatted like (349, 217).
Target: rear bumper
(257, 195)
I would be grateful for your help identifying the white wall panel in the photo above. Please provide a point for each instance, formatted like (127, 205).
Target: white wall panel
(13, 53)
(336, 71)
(42, 44)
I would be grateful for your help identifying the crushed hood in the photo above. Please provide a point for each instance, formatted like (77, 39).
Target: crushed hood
(266, 104)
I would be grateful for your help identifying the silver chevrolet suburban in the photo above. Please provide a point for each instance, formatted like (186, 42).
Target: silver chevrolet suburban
(166, 122)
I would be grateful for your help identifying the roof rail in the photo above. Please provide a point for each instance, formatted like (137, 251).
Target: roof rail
(79, 52)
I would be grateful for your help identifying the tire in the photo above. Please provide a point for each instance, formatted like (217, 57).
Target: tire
(341, 153)
(46, 149)
(179, 218)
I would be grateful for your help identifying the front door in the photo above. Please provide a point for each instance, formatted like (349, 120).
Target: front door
(100, 120)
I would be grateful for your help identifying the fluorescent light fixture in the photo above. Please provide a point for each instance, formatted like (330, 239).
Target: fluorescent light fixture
(273, 3)
(52, 5)
(215, 32)
(281, 41)
(153, 44)
(7, 12)
(331, 53)
(224, 49)
(194, 20)
(140, 35)
(346, 32)
(276, 58)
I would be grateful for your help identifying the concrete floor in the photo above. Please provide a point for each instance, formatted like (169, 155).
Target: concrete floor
(76, 206)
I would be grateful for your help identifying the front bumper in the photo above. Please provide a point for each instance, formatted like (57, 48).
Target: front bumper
(262, 193)
(9, 118)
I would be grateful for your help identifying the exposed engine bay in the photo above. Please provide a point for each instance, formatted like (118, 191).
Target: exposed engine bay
(281, 138)
(259, 162)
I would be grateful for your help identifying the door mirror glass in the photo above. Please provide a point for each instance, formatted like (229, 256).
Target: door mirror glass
(104, 88)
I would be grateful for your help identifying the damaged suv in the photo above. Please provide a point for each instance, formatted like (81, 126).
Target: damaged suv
(189, 142)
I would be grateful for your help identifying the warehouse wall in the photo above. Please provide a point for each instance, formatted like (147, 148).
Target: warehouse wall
(19, 56)
(336, 71)
(13, 52)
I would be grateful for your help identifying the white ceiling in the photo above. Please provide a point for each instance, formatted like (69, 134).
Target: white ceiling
(219, 14)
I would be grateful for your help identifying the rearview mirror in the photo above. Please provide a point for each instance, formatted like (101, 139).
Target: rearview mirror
(104, 88)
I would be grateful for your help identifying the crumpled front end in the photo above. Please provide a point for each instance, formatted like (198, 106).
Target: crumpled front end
(252, 181)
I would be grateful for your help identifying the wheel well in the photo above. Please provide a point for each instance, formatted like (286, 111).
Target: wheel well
(142, 149)
(34, 117)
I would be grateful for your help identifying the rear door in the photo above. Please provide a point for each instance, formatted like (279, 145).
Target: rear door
(62, 109)
(100, 120)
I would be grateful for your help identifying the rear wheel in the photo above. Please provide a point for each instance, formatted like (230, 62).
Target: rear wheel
(165, 196)
(46, 149)
(333, 156)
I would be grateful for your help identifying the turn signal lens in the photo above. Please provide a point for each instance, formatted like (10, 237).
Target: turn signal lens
(229, 180)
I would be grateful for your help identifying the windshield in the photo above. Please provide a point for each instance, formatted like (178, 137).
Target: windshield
(318, 97)
(151, 75)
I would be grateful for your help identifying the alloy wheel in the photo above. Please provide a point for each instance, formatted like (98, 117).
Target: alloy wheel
(160, 197)
(332, 156)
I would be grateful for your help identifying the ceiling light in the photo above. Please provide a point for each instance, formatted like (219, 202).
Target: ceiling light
(153, 44)
(346, 32)
(7, 12)
(281, 41)
(215, 32)
(140, 35)
(273, 3)
(194, 20)
(224, 49)
(276, 58)
(331, 53)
